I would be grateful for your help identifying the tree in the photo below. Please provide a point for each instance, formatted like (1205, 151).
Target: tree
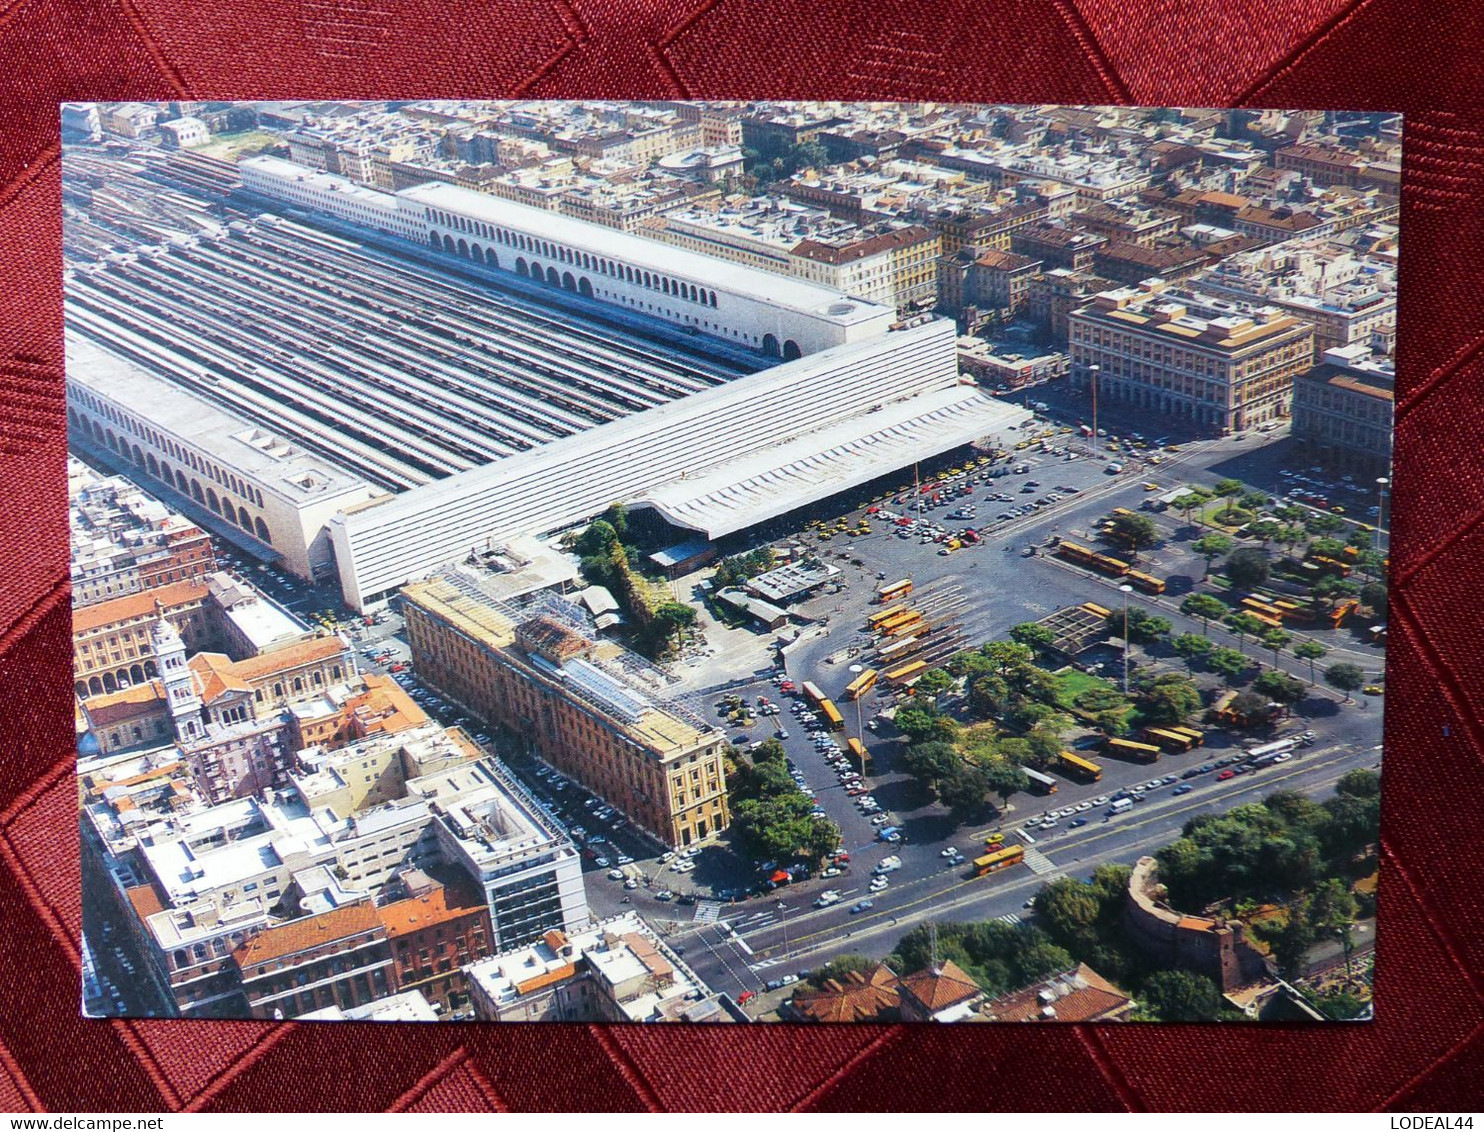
(1244, 625)
(1279, 687)
(597, 539)
(1310, 651)
(1229, 490)
(1004, 779)
(1332, 911)
(1204, 606)
(963, 788)
(1347, 678)
(1191, 647)
(1322, 524)
(934, 682)
(1373, 597)
(1113, 723)
(989, 696)
(671, 618)
(1291, 941)
(1226, 663)
(1142, 627)
(1181, 996)
(1194, 499)
(1138, 531)
(923, 723)
(1265, 530)
(841, 966)
(1248, 567)
(928, 762)
(1032, 635)
(1044, 739)
(1359, 784)
(1211, 547)
(1250, 705)
(1169, 699)
(1275, 641)
(617, 516)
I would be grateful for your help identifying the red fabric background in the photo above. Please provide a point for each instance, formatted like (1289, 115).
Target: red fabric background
(1425, 1051)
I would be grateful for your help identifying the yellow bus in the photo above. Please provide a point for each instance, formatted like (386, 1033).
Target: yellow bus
(1197, 738)
(812, 693)
(861, 684)
(999, 859)
(1139, 752)
(832, 715)
(897, 677)
(897, 648)
(1169, 740)
(881, 615)
(860, 754)
(895, 591)
(1075, 766)
(1097, 610)
(903, 616)
(910, 624)
(1121, 513)
(1146, 582)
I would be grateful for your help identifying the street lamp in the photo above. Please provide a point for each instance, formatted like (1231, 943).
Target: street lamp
(1125, 590)
(860, 727)
(1093, 371)
(1381, 484)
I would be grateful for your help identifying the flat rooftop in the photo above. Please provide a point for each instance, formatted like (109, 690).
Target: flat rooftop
(752, 283)
(269, 458)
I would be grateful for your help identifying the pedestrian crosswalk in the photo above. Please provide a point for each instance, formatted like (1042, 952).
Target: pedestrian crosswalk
(764, 964)
(1011, 918)
(1038, 862)
(708, 911)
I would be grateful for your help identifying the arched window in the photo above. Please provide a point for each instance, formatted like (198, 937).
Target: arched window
(261, 529)
(196, 492)
(791, 350)
(448, 244)
(243, 518)
(433, 236)
(211, 501)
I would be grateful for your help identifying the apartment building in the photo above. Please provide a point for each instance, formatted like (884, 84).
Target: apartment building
(572, 699)
(1225, 366)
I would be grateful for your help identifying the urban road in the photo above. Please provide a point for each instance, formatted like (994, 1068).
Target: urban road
(759, 942)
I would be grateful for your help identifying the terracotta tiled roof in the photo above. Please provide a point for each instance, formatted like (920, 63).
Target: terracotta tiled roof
(1079, 995)
(145, 899)
(130, 703)
(445, 903)
(1005, 261)
(383, 708)
(860, 249)
(215, 675)
(310, 931)
(314, 650)
(132, 606)
(938, 990)
(859, 997)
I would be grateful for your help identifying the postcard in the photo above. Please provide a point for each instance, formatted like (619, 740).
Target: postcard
(729, 562)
